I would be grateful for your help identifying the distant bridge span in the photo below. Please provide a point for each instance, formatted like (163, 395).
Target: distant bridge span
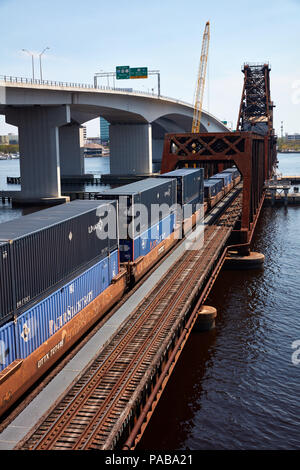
(48, 115)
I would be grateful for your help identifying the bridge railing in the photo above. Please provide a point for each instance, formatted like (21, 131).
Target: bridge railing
(36, 81)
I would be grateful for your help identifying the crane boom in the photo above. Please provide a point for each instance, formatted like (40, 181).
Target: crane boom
(201, 80)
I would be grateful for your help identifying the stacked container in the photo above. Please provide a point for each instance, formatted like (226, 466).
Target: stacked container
(137, 213)
(189, 184)
(234, 171)
(7, 345)
(227, 177)
(49, 246)
(45, 318)
(6, 291)
(212, 187)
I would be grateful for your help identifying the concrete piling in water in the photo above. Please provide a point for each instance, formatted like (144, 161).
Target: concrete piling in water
(236, 261)
(205, 319)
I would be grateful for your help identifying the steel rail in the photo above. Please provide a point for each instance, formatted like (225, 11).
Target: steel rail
(172, 309)
(138, 429)
(133, 366)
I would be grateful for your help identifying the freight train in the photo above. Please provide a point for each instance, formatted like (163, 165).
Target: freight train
(63, 268)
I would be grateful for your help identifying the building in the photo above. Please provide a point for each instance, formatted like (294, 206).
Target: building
(92, 140)
(104, 131)
(4, 139)
(92, 149)
(82, 135)
(292, 137)
(13, 139)
(83, 131)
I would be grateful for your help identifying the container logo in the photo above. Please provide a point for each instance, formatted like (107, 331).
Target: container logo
(70, 236)
(4, 254)
(94, 228)
(71, 310)
(22, 302)
(25, 333)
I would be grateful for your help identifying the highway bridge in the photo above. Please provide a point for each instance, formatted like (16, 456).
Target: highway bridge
(48, 115)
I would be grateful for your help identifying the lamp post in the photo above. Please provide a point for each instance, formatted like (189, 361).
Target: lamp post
(40, 57)
(32, 60)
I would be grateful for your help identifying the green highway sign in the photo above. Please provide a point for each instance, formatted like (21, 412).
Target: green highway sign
(139, 72)
(122, 72)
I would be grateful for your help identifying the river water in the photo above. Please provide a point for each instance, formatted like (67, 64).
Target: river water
(236, 387)
(95, 165)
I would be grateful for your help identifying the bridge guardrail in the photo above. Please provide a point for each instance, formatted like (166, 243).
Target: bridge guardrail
(36, 81)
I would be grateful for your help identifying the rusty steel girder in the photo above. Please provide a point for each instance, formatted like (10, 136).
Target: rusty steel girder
(217, 151)
(256, 110)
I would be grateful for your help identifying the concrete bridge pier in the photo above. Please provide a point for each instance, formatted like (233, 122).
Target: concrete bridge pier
(39, 151)
(130, 149)
(71, 150)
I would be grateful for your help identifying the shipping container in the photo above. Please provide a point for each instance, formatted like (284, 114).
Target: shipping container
(234, 171)
(7, 345)
(191, 207)
(212, 187)
(113, 264)
(167, 226)
(151, 237)
(48, 246)
(189, 184)
(41, 321)
(131, 249)
(227, 177)
(139, 204)
(6, 291)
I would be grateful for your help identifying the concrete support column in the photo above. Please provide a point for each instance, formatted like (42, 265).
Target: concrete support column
(157, 150)
(71, 150)
(130, 149)
(39, 149)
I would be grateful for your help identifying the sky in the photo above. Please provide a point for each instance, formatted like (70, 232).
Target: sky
(91, 36)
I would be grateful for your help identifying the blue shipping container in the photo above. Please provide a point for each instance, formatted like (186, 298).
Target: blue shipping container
(44, 319)
(150, 238)
(227, 177)
(113, 265)
(157, 233)
(212, 187)
(130, 249)
(7, 345)
(189, 184)
(234, 171)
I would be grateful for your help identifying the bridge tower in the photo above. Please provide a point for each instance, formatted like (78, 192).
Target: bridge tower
(252, 149)
(256, 110)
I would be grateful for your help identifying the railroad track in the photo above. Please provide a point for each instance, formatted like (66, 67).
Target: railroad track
(99, 405)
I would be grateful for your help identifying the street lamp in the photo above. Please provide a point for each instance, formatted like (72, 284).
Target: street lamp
(30, 53)
(40, 56)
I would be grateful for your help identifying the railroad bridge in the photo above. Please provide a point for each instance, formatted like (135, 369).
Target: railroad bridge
(109, 403)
